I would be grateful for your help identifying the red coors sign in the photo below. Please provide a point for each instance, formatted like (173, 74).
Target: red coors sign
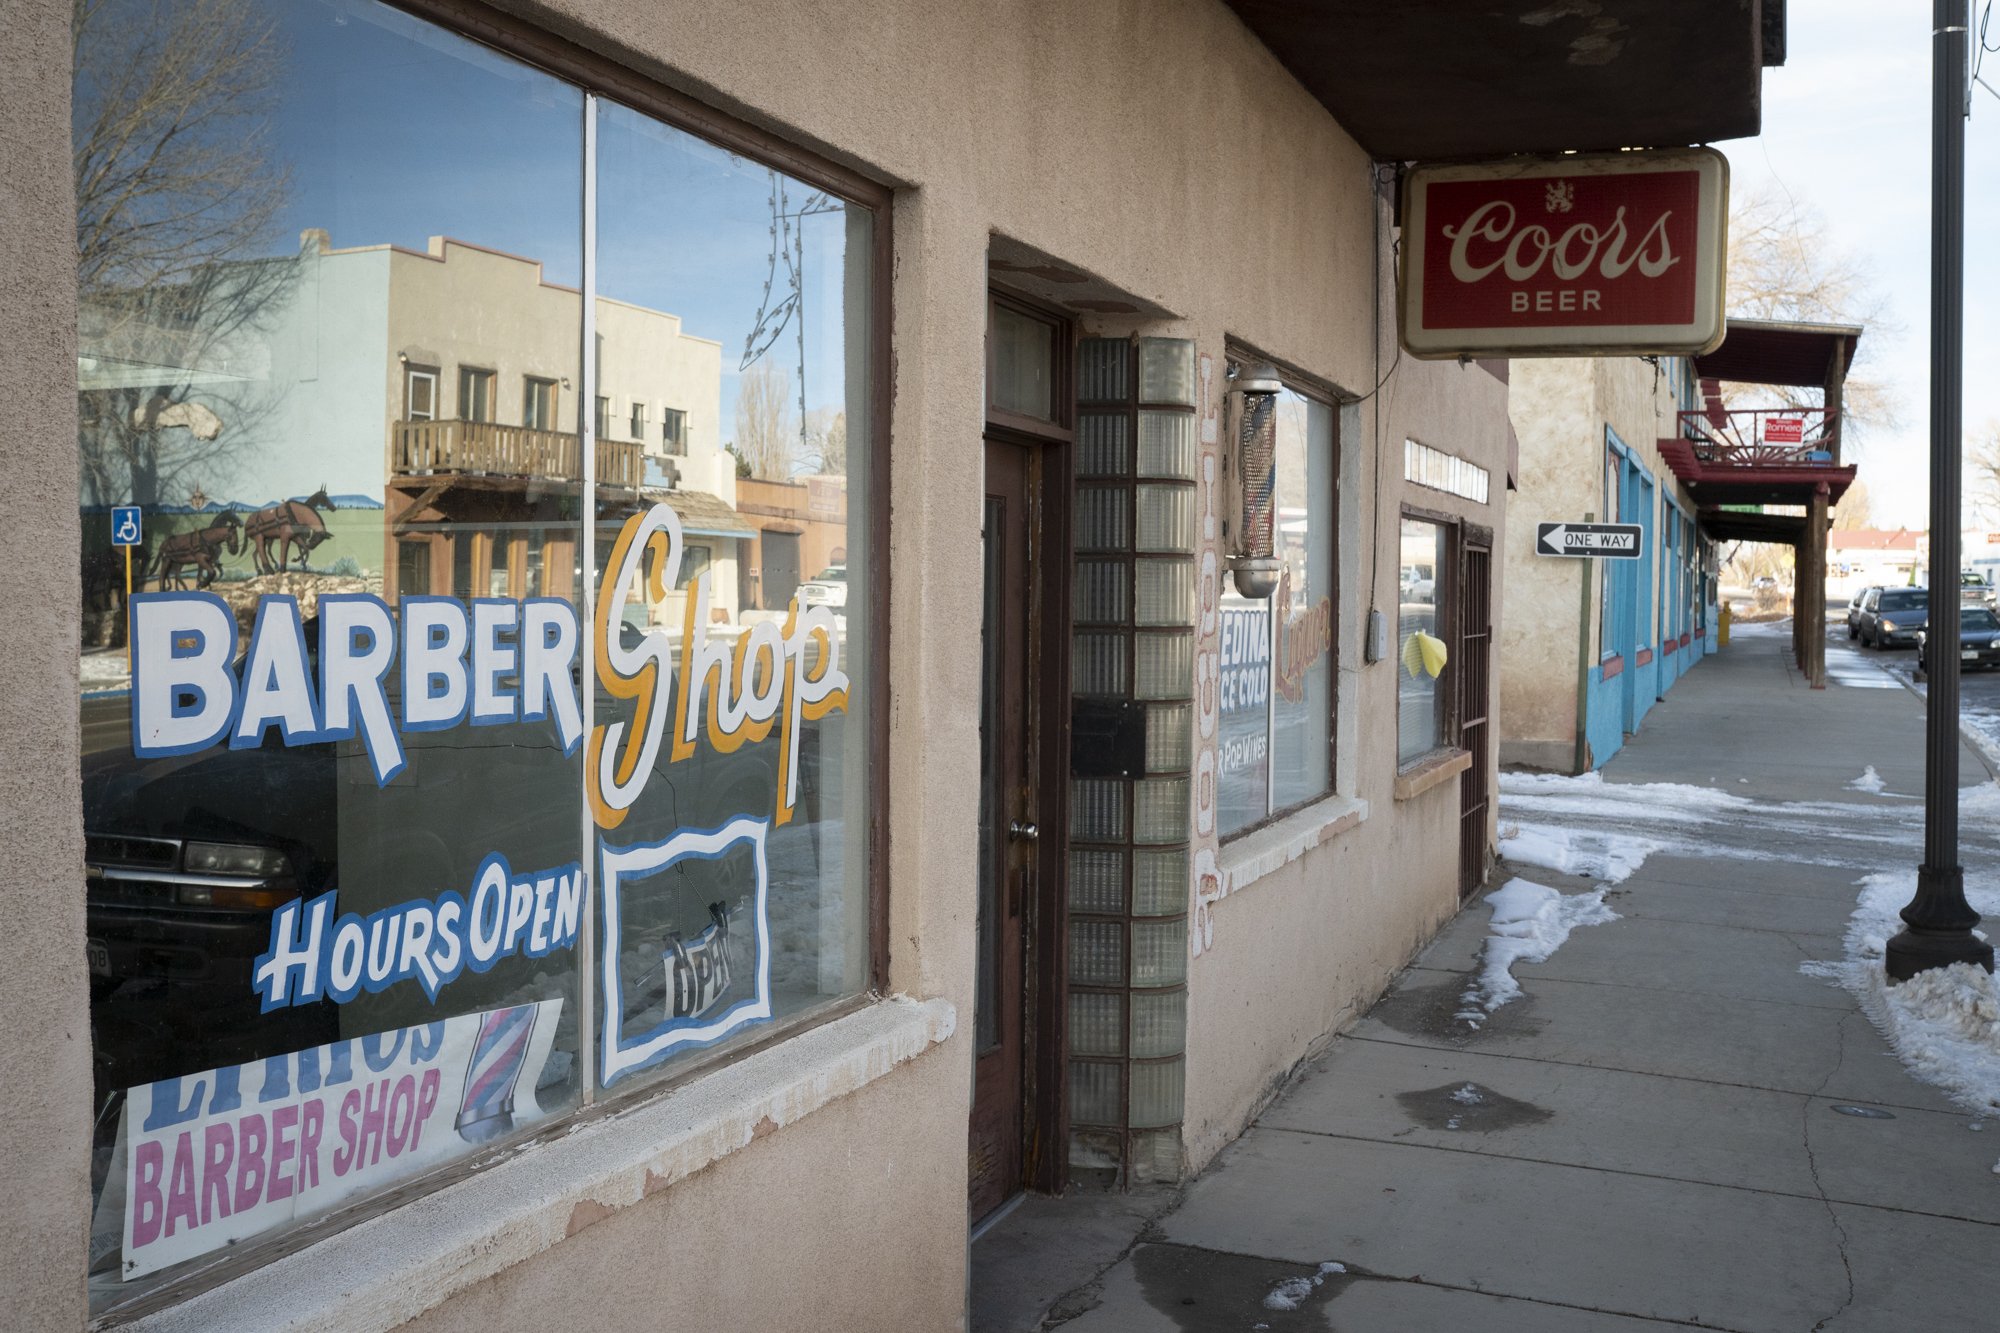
(1589, 254)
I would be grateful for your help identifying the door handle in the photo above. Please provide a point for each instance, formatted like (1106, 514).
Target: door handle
(1024, 831)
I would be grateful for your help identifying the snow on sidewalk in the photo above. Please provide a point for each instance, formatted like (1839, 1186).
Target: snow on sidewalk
(1530, 922)
(1944, 1025)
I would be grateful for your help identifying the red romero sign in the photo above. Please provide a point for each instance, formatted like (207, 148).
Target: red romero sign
(1565, 256)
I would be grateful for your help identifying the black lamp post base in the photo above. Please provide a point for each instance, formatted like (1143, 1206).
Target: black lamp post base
(1916, 951)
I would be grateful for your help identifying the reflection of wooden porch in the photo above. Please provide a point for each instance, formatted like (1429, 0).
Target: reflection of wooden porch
(505, 453)
(476, 508)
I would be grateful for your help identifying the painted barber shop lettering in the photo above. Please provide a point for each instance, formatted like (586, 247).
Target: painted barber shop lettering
(381, 673)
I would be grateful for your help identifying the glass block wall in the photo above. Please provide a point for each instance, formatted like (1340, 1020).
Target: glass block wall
(1129, 836)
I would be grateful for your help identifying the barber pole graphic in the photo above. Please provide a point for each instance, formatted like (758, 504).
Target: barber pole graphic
(498, 1053)
(1581, 255)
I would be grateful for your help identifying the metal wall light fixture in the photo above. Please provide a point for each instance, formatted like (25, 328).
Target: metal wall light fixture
(1252, 469)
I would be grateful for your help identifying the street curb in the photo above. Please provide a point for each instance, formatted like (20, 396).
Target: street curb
(1988, 752)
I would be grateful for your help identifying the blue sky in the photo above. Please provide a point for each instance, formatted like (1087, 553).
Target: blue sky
(1847, 130)
(396, 131)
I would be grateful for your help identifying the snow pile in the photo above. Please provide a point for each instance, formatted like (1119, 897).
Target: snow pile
(1291, 1293)
(1869, 781)
(1611, 857)
(102, 671)
(1530, 922)
(1944, 1025)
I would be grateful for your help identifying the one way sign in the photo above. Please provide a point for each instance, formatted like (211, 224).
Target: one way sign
(1611, 541)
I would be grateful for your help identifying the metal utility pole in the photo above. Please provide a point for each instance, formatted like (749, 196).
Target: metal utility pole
(1939, 921)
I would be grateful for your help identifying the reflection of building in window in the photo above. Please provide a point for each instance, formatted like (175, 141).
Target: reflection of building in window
(356, 353)
(639, 421)
(801, 530)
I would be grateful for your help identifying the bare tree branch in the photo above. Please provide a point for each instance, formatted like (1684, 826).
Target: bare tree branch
(1783, 265)
(767, 436)
(177, 192)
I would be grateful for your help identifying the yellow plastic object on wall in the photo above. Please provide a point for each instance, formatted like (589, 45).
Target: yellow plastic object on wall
(1423, 652)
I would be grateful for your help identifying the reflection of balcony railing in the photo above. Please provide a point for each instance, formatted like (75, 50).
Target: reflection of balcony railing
(425, 448)
(1763, 437)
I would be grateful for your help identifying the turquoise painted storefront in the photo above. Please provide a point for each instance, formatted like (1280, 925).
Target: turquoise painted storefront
(1656, 614)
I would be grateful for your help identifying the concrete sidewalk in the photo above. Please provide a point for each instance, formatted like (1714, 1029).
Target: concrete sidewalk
(1650, 1135)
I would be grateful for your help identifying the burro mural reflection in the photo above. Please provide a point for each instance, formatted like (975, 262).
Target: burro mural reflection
(670, 715)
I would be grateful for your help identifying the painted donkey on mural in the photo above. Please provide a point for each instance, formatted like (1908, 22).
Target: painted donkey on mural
(290, 523)
(199, 548)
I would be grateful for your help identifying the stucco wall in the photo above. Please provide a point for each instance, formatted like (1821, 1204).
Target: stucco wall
(805, 1229)
(45, 1100)
(1556, 419)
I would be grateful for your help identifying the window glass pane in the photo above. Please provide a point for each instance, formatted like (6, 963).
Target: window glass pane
(1301, 698)
(1419, 700)
(732, 808)
(1023, 363)
(333, 819)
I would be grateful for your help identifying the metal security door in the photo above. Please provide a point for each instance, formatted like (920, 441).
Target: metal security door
(1475, 730)
(1008, 834)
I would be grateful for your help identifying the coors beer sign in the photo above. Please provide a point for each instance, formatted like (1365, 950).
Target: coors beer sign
(1583, 255)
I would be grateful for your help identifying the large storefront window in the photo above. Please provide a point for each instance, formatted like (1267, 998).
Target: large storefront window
(1420, 714)
(1277, 654)
(394, 849)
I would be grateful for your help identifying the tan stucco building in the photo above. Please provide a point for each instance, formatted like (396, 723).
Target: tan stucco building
(1080, 844)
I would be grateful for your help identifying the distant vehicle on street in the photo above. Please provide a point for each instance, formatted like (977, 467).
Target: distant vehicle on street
(1978, 638)
(1891, 617)
(1763, 581)
(1854, 610)
(828, 588)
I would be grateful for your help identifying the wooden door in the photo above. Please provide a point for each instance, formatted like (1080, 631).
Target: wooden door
(1008, 831)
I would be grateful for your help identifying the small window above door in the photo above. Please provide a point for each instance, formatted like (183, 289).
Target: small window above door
(1026, 365)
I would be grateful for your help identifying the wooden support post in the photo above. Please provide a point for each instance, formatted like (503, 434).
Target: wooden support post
(1815, 624)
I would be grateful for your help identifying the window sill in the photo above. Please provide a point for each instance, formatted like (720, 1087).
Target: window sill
(385, 1271)
(1430, 771)
(1249, 858)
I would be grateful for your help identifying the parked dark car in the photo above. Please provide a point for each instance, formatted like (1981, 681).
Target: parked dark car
(1854, 610)
(1891, 617)
(1978, 638)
